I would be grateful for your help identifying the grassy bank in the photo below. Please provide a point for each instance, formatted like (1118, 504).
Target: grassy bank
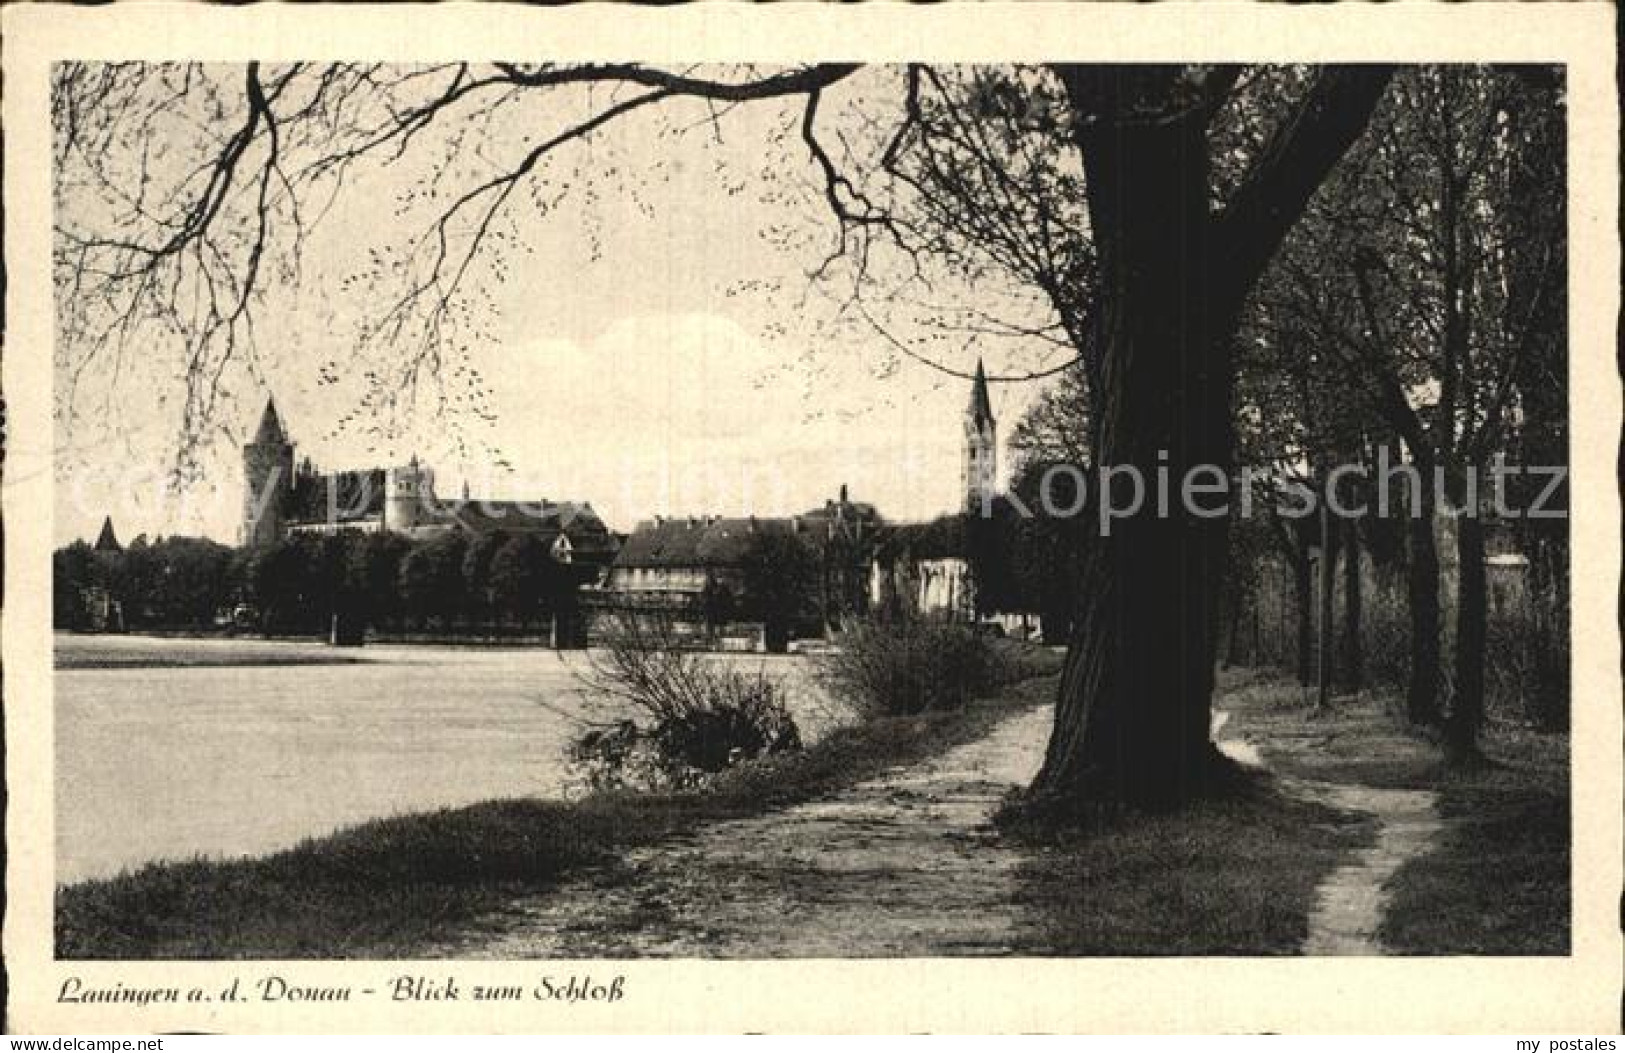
(1238, 876)
(1235, 875)
(1497, 884)
(1498, 881)
(1226, 877)
(388, 887)
(1223, 877)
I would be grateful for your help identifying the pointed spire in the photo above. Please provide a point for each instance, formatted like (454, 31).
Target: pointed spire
(981, 407)
(270, 432)
(107, 541)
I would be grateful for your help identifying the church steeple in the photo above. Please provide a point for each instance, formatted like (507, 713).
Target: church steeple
(979, 474)
(981, 407)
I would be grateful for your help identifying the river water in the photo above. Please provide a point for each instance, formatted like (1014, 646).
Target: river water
(222, 759)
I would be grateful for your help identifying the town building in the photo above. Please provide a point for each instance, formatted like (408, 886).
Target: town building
(922, 569)
(693, 572)
(696, 573)
(672, 562)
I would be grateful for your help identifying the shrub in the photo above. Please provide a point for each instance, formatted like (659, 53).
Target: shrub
(702, 715)
(908, 666)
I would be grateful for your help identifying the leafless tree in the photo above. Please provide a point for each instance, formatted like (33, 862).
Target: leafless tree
(1431, 273)
(1140, 203)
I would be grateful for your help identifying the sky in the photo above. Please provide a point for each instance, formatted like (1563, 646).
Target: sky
(650, 343)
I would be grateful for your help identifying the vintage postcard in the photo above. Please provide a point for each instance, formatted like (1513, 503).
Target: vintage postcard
(1007, 518)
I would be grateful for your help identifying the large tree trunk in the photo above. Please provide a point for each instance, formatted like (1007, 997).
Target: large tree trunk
(1422, 580)
(1234, 608)
(1132, 720)
(1352, 660)
(1547, 597)
(1303, 591)
(1133, 716)
(1467, 707)
(1323, 622)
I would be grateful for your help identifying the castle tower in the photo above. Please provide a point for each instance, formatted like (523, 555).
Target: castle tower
(267, 480)
(408, 496)
(980, 472)
(107, 541)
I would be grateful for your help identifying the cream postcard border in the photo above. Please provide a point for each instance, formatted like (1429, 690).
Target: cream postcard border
(1574, 994)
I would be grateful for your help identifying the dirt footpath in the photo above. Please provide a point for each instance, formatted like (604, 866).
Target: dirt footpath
(1352, 900)
(904, 865)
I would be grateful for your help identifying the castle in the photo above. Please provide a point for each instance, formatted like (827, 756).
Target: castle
(282, 498)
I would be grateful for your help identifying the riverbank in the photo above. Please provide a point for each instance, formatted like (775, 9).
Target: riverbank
(911, 865)
(1349, 836)
(110, 651)
(391, 887)
(879, 840)
(179, 650)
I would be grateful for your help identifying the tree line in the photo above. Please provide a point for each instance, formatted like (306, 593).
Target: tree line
(451, 581)
(1414, 319)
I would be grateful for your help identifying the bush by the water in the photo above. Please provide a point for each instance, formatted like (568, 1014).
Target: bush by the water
(907, 666)
(703, 715)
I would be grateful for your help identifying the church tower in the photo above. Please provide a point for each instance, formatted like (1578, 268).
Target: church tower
(267, 480)
(980, 472)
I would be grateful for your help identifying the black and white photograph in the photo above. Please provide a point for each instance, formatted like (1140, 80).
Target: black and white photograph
(603, 510)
